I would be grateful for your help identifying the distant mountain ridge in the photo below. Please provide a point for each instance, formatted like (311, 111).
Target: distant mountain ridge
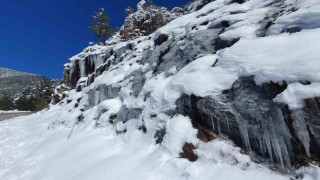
(5, 72)
(17, 85)
(12, 82)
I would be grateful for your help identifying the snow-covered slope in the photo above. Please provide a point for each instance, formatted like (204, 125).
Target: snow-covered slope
(186, 102)
(30, 151)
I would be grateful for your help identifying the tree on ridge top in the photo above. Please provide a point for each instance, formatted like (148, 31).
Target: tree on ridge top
(100, 25)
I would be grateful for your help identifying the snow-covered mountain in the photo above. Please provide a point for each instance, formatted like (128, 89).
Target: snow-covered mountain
(16, 86)
(228, 89)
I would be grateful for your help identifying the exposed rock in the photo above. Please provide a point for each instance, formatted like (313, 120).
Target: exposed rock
(205, 134)
(221, 43)
(162, 38)
(75, 74)
(59, 93)
(238, 1)
(159, 135)
(292, 29)
(102, 68)
(187, 152)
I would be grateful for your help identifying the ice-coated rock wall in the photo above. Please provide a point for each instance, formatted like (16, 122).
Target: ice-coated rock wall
(197, 66)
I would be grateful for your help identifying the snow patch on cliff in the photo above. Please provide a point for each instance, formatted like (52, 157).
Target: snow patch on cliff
(296, 93)
(276, 58)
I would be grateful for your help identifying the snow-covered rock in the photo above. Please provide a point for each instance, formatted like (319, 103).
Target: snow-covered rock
(222, 80)
(201, 55)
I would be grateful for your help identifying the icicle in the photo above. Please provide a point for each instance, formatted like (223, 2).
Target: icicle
(92, 60)
(276, 145)
(96, 98)
(244, 133)
(102, 93)
(300, 128)
(212, 122)
(71, 70)
(261, 144)
(246, 136)
(277, 149)
(285, 153)
(98, 61)
(82, 68)
(218, 123)
(227, 121)
(268, 144)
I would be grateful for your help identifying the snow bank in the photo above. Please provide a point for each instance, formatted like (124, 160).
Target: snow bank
(309, 173)
(201, 79)
(198, 77)
(29, 151)
(179, 130)
(242, 19)
(296, 93)
(12, 111)
(286, 57)
(305, 15)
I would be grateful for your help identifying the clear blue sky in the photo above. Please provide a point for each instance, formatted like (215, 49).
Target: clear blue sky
(39, 36)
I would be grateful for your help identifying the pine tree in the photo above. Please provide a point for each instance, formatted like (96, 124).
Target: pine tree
(100, 25)
(6, 102)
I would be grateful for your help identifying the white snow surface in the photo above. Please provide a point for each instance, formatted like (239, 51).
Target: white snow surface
(198, 77)
(295, 94)
(12, 111)
(306, 15)
(286, 57)
(30, 151)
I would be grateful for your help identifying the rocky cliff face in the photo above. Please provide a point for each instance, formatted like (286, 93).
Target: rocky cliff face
(233, 67)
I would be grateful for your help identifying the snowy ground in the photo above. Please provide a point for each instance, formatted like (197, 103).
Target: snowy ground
(11, 115)
(12, 111)
(31, 151)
